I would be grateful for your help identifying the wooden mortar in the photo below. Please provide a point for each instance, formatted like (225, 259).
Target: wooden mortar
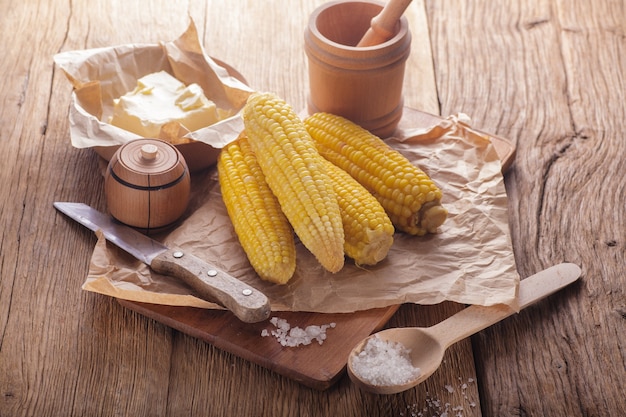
(363, 84)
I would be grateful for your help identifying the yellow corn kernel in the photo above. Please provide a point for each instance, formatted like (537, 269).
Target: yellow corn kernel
(263, 230)
(367, 228)
(293, 171)
(412, 200)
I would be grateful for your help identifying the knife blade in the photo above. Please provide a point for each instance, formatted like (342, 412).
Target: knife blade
(211, 283)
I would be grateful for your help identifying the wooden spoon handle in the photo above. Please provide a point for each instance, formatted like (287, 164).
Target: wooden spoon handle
(383, 23)
(532, 289)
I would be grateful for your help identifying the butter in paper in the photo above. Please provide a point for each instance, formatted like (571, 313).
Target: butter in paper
(103, 74)
(469, 261)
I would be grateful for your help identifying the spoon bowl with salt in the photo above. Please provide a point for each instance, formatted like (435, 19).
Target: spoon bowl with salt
(395, 360)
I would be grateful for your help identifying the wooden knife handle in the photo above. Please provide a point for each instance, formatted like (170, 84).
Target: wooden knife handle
(212, 284)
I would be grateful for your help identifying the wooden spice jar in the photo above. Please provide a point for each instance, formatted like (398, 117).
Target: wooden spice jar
(363, 84)
(147, 184)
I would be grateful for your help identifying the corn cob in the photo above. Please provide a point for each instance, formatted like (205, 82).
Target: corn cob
(367, 228)
(263, 230)
(293, 171)
(410, 197)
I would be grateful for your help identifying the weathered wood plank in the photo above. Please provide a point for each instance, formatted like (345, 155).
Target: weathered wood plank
(550, 75)
(67, 352)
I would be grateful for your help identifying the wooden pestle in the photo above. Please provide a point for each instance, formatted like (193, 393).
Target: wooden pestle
(382, 24)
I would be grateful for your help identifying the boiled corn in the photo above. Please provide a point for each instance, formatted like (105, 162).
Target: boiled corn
(263, 230)
(410, 197)
(367, 228)
(293, 171)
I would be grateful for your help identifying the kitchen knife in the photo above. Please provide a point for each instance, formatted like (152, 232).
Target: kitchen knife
(211, 283)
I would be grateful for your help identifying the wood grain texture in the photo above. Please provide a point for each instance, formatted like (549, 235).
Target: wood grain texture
(67, 352)
(547, 74)
(318, 365)
(550, 75)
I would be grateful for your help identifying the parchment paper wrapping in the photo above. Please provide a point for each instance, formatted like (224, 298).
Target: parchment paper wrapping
(469, 261)
(101, 75)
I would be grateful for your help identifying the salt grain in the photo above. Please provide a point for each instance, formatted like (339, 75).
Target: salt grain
(295, 336)
(384, 363)
(434, 407)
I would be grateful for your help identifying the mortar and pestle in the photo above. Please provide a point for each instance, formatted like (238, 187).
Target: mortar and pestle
(357, 51)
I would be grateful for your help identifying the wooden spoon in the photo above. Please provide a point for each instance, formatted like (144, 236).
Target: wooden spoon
(427, 345)
(382, 24)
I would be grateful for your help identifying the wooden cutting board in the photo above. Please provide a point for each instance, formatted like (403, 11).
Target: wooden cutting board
(316, 366)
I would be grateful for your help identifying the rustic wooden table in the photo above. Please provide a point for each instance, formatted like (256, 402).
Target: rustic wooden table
(549, 75)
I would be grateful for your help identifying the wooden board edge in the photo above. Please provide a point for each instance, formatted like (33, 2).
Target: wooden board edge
(320, 379)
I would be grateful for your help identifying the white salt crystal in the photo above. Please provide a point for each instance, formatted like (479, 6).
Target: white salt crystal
(295, 336)
(297, 333)
(384, 363)
(313, 331)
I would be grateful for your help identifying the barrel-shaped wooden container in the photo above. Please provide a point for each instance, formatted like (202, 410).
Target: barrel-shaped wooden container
(147, 184)
(363, 84)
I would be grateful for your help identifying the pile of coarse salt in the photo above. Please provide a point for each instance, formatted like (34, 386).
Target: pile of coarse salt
(384, 363)
(295, 336)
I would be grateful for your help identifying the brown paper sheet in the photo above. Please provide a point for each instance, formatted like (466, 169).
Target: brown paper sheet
(469, 261)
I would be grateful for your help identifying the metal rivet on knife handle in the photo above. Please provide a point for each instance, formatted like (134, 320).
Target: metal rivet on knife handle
(247, 291)
(211, 272)
(178, 254)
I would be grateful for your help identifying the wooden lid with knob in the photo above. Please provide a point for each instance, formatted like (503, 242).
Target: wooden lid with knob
(149, 163)
(147, 184)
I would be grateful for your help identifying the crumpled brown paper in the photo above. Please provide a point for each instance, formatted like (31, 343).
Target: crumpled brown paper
(103, 74)
(469, 261)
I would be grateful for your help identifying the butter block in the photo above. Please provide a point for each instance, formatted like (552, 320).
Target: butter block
(159, 98)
